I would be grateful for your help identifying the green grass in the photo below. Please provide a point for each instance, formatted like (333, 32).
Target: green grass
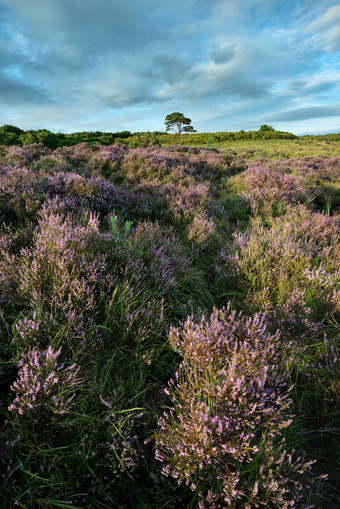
(276, 149)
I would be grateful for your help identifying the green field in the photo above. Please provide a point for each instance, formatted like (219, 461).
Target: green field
(276, 149)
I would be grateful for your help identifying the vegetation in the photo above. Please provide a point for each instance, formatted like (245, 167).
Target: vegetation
(179, 121)
(11, 135)
(170, 320)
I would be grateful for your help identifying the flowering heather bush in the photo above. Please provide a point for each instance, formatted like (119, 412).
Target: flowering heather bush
(168, 203)
(95, 193)
(103, 195)
(148, 200)
(201, 230)
(23, 193)
(78, 155)
(299, 250)
(167, 164)
(11, 242)
(185, 202)
(38, 329)
(266, 189)
(321, 179)
(230, 405)
(50, 164)
(266, 183)
(313, 170)
(69, 268)
(214, 159)
(293, 319)
(138, 204)
(18, 200)
(70, 176)
(23, 156)
(17, 156)
(105, 161)
(84, 156)
(44, 383)
(29, 332)
(63, 270)
(37, 150)
(101, 267)
(164, 262)
(8, 277)
(146, 164)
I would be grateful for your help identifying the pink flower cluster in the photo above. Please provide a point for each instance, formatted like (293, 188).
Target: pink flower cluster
(44, 383)
(223, 436)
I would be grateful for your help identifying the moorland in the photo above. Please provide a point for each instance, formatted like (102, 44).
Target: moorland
(169, 320)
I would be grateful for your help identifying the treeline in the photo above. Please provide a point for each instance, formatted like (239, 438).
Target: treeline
(322, 137)
(205, 138)
(12, 135)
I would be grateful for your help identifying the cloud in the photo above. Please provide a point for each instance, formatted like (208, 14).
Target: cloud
(13, 92)
(228, 71)
(318, 84)
(172, 68)
(307, 113)
(329, 26)
(222, 54)
(88, 61)
(84, 24)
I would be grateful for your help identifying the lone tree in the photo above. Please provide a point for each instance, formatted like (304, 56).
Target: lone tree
(266, 128)
(179, 121)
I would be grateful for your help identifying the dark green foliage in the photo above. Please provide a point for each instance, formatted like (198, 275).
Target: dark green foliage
(6, 128)
(11, 135)
(266, 128)
(178, 121)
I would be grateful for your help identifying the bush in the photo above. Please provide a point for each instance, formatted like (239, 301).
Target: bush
(230, 404)
(298, 250)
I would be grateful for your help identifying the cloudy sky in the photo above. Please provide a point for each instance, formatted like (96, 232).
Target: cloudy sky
(111, 65)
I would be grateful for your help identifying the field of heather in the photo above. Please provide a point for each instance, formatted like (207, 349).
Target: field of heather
(169, 325)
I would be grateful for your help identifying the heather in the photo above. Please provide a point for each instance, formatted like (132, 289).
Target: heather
(169, 325)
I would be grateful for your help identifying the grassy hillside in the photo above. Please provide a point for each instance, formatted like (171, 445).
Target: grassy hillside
(169, 325)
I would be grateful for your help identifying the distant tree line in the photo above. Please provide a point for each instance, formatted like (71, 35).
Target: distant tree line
(147, 139)
(11, 135)
(322, 137)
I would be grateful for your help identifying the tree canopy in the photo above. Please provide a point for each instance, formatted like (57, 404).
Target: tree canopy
(265, 127)
(178, 121)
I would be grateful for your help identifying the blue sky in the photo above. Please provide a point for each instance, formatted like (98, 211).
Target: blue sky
(112, 65)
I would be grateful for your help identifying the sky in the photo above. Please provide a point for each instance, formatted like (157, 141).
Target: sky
(114, 65)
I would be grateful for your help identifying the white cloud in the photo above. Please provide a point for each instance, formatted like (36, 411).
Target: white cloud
(307, 113)
(329, 26)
